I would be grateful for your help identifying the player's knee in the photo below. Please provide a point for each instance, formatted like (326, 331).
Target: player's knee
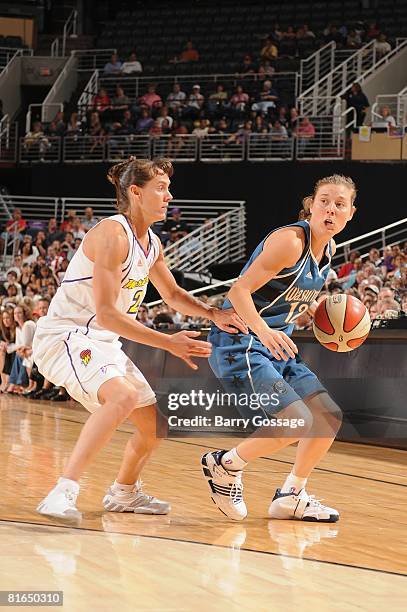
(301, 415)
(125, 402)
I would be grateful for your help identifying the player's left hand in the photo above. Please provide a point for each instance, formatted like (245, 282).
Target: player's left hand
(229, 321)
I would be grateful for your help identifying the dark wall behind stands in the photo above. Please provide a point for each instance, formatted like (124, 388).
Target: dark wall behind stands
(273, 191)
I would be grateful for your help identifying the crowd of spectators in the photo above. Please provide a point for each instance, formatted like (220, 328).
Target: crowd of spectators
(41, 257)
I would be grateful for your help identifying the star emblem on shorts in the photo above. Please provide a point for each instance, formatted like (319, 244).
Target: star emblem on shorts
(230, 358)
(236, 339)
(237, 381)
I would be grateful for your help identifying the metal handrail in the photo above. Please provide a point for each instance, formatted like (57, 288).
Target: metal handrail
(196, 252)
(58, 105)
(70, 28)
(380, 234)
(323, 57)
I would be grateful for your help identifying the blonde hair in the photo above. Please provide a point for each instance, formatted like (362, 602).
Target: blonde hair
(135, 172)
(334, 179)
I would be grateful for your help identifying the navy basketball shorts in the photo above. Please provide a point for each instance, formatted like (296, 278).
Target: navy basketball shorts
(244, 366)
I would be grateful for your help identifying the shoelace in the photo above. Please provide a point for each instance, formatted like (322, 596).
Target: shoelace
(71, 497)
(139, 489)
(315, 503)
(236, 492)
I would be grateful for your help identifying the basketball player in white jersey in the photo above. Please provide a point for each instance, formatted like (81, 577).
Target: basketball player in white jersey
(77, 344)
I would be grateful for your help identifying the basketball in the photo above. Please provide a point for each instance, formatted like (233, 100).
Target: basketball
(341, 323)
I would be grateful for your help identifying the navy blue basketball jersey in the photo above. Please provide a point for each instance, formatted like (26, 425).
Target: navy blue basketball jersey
(290, 293)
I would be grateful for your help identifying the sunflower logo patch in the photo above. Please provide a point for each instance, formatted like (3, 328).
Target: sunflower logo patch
(86, 356)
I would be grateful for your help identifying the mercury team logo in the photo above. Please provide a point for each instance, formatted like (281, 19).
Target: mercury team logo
(86, 356)
(279, 387)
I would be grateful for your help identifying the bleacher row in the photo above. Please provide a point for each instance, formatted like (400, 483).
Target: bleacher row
(224, 32)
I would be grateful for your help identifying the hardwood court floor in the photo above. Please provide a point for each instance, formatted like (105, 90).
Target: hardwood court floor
(195, 558)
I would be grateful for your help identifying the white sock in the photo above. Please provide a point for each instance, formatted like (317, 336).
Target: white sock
(232, 462)
(72, 484)
(293, 484)
(117, 486)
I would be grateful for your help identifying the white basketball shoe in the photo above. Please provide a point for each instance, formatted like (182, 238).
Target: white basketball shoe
(302, 507)
(61, 501)
(134, 501)
(226, 487)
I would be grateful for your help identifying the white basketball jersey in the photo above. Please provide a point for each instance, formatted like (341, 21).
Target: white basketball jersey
(73, 306)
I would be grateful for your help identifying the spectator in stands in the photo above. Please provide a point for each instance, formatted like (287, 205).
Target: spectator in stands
(145, 122)
(114, 67)
(96, 132)
(52, 232)
(333, 35)
(267, 98)
(260, 125)
(269, 51)
(174, 223)
(385, 120)
(25, 328)
(77, 229)
(218, 101)
(39, 242)
(12, 279)
(7, 345)
(202, 129)
(67, 223)
(372, 31)
(132, 66)
(74, 126)
(289, 33)
(143, 316)
(305, 32)
(239, 101)
(102, 102)
(57, 126)
(242, 133)
(35, 141)
(164, 116)
(189, 54)
(151, 99)
(120, 103)
(279, 137)
(353, 40)
(347, 267)
(275, 32)
(247, 67)
(89, 220)
(176, 99)
(304, 133)
(195, 103)
(29, 253)
(15, 227)
(356, 99)
(382, 46)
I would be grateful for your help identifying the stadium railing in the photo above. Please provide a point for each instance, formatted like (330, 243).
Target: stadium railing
(9, 53)
(266, 147)
(44, 149)
(8, 140)
(219, 239)
(396, 102)
(388, 235)
(90, 60)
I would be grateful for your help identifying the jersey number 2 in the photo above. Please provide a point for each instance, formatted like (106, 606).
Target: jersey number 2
(137, 299)
(302, 308)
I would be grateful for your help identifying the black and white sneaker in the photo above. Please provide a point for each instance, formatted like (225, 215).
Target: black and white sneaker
(302, 507)
(226, 487)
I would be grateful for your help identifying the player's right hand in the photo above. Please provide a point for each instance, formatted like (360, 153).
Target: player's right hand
(184, 346)
(278, 343)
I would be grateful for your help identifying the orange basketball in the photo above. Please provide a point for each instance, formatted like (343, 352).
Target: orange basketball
(341, 323)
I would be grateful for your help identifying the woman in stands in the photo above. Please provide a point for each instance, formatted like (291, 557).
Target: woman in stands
(281, 281)
(77, 344)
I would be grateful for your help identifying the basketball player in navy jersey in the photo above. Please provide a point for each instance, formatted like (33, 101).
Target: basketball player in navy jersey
(77, 344)
(281, 281)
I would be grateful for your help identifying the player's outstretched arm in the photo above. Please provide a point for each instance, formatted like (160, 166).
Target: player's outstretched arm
(182, 301)
(281, 250)
(107, 248)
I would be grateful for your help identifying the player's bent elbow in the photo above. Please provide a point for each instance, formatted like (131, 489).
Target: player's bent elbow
(104, 317)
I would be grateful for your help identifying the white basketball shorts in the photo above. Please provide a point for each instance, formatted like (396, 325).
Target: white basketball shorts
(82, 364)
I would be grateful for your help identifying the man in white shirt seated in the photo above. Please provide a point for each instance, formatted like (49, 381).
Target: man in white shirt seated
(132, 65)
